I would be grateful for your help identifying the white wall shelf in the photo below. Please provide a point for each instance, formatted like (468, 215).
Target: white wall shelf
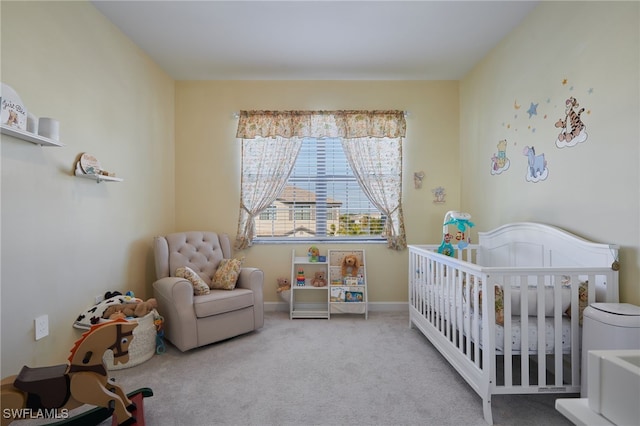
(97, 178)
(29, 137)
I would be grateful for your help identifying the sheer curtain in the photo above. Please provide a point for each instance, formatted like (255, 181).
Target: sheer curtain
(377, 165)
(271, 141)
(266, 166)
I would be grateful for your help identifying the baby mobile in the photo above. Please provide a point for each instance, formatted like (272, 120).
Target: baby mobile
(461, 221)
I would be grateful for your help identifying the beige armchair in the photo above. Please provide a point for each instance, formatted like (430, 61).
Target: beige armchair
(192, 321)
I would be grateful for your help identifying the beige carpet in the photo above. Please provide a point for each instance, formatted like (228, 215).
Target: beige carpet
(343, 371)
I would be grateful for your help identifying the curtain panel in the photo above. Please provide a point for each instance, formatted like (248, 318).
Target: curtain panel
(377, 165)
(266, 166)
(372, 141)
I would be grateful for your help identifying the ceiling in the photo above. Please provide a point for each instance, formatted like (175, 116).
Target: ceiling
(316, 40)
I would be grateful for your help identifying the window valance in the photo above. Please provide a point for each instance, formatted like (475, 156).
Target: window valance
(330, 124)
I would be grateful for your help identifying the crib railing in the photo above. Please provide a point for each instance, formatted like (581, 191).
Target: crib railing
(453, 302)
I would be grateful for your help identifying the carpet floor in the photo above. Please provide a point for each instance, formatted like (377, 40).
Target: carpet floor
(342, 371)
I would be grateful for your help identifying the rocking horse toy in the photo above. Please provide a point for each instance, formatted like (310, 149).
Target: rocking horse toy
(55, 390)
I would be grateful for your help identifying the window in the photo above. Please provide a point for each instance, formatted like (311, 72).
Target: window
(321, 200)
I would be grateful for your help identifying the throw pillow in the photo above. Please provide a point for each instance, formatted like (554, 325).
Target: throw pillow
(199, 286)
(227, 274)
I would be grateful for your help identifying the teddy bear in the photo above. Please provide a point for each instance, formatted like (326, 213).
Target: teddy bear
(133, 309)
(283, 284)
(319, 279)
(350, 266)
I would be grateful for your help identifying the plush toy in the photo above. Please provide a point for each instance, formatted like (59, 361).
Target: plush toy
(313, 254)
(319, 279)
(134, 309)
(283, 284)
(117, 315)
(350, 266)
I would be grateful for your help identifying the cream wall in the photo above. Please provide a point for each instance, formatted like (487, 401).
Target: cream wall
(593, 189)
(66, 239)
(208, 162)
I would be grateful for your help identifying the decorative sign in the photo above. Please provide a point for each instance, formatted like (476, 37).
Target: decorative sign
(13, 112)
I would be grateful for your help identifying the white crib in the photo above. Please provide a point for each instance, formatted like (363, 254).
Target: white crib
(499, 350)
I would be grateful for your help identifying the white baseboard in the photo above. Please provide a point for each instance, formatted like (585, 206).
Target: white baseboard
(373, 306)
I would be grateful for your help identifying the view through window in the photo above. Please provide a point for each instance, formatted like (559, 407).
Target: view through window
(322, 199)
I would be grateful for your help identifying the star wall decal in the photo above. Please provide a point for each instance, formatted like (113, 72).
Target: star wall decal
(564, 82)
(533, 110)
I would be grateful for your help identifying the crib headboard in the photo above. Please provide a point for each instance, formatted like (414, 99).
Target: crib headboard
(528, 244)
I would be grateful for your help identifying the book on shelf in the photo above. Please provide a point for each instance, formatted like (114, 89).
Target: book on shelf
(337, 295)
(353, 296)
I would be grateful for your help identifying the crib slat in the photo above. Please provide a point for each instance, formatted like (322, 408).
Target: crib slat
(557, 327)
(524, 331)
(541, 324)
(507, 332)
(575, 330)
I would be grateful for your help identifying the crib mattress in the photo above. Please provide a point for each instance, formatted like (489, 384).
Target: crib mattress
(515, 339)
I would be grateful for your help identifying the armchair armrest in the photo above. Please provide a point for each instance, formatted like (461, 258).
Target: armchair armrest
(175, 304)
(253, 279)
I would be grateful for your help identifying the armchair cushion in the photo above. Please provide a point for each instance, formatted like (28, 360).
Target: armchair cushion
(199, 286)
(227, 274)
(221, 301)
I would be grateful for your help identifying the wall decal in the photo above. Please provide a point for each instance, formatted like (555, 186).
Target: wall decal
(536, 165)
(500, 162)
(535, 120)
(572, 128)
(438, 194)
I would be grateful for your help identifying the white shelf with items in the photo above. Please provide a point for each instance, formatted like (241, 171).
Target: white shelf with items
(29, 137)
(98, 178)
(308, 301)
(88, 167)
(348, 283)
(15, 119)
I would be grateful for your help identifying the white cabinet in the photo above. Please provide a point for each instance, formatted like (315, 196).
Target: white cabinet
(307, 300)
(348, 282)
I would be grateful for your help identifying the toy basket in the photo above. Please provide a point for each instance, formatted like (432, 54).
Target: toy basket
(285, 295)
(141, 348)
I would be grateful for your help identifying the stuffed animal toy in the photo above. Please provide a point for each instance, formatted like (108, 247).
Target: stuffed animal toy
(350, 266)
(283, 284)
(134, 309)
(313, 254)
(319, 279)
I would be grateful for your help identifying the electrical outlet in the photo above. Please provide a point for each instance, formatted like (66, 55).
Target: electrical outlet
(42, 326)
(99, 298)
